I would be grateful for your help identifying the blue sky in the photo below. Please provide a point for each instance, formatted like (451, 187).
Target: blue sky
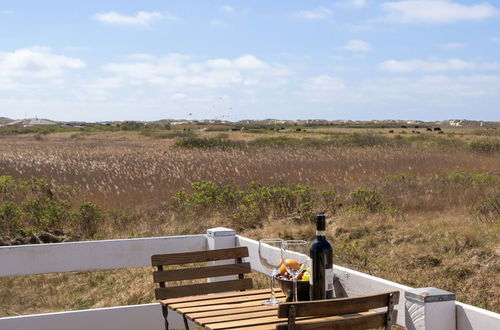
(345, 59)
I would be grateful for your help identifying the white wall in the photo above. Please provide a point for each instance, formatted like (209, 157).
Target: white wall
(92, 255)
(474, 318)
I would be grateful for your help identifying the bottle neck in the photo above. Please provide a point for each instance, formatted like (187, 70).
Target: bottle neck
(320, 234)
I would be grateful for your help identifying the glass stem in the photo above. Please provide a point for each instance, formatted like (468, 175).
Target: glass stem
(272, 286)
(295, 298)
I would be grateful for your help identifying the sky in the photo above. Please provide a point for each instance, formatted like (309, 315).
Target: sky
(233, 60)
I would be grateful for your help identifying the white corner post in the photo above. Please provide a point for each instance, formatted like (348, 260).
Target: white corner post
(430, 309)
(221, 238)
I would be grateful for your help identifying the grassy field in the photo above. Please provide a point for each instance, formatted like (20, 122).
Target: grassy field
(419, 209)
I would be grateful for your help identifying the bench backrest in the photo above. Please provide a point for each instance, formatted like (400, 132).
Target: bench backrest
(342, 313)
(238, 268)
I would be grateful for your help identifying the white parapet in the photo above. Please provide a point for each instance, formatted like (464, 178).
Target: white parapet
(92, 255)
(221, 238)
(430, 309)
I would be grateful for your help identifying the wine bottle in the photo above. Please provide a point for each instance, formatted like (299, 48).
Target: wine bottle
(321, 253)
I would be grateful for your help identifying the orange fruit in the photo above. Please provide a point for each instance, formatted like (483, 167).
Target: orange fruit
(291, 263)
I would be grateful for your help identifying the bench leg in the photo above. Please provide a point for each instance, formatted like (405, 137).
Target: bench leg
(164, 310)
(186, 326)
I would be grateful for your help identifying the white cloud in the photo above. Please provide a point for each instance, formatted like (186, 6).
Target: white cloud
(178, 96)
(179, 71)
(435, 65)
(357, 46)
(141, 18)
(218, 22)
(314, 14)
(351, 3)
(322, 88)
(434, 11)
(140, 57)
(495, 40)
(452, 45)
(35, 63)
(227, 9)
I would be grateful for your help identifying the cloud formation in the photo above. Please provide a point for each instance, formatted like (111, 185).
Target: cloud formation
(452, 45)
(180, 71)
(435, 65)
(351, 3)
(141, 18)
(356, 45)
(434, 11)
(227, 9)
(314, 14)
(34, 65)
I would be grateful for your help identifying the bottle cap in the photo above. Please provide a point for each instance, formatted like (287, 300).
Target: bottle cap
(320, 221)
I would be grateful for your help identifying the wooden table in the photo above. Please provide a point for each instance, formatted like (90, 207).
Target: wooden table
(235, 310)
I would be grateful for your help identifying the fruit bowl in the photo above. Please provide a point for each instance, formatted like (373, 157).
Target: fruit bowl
(287, 288)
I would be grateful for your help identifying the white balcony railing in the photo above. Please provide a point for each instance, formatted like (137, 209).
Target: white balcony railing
(429, 313)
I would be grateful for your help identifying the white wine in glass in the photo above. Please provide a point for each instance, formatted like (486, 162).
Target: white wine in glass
(270, 258)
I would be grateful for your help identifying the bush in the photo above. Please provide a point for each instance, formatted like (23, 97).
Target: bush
(207, 143)
(488, 209)
(248, 207)
(371, 201)
(45, 214)
(469, 178)
(88, 219)
(9, 219)
(485, 146)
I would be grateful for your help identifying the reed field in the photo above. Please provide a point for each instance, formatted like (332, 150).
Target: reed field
(418, 209)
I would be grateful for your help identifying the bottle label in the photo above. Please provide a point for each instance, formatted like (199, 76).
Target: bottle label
(329, 278)
(320, 233)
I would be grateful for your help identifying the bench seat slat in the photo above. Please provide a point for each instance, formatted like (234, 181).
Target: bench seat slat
(364, 320)
(338, 306)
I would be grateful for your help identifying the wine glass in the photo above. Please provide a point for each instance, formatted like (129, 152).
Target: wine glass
(295, 257)
(270, 258)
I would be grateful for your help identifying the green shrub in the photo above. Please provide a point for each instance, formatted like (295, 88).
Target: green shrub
(488, 209)
(488, 146)
(46, 214)
(469, 178)
(88, 219)
(207, 143)
(131, 126)
(247, 207)
(10, 219)
(371, 201)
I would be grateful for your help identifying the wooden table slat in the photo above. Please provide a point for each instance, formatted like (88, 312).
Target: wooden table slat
(249, 309)
(242, 316)
(222, 300)
(238, 323)
(219, 307)
(217, 295)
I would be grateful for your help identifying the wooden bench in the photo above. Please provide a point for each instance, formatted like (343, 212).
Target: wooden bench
(343, 313)
(167, 294)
